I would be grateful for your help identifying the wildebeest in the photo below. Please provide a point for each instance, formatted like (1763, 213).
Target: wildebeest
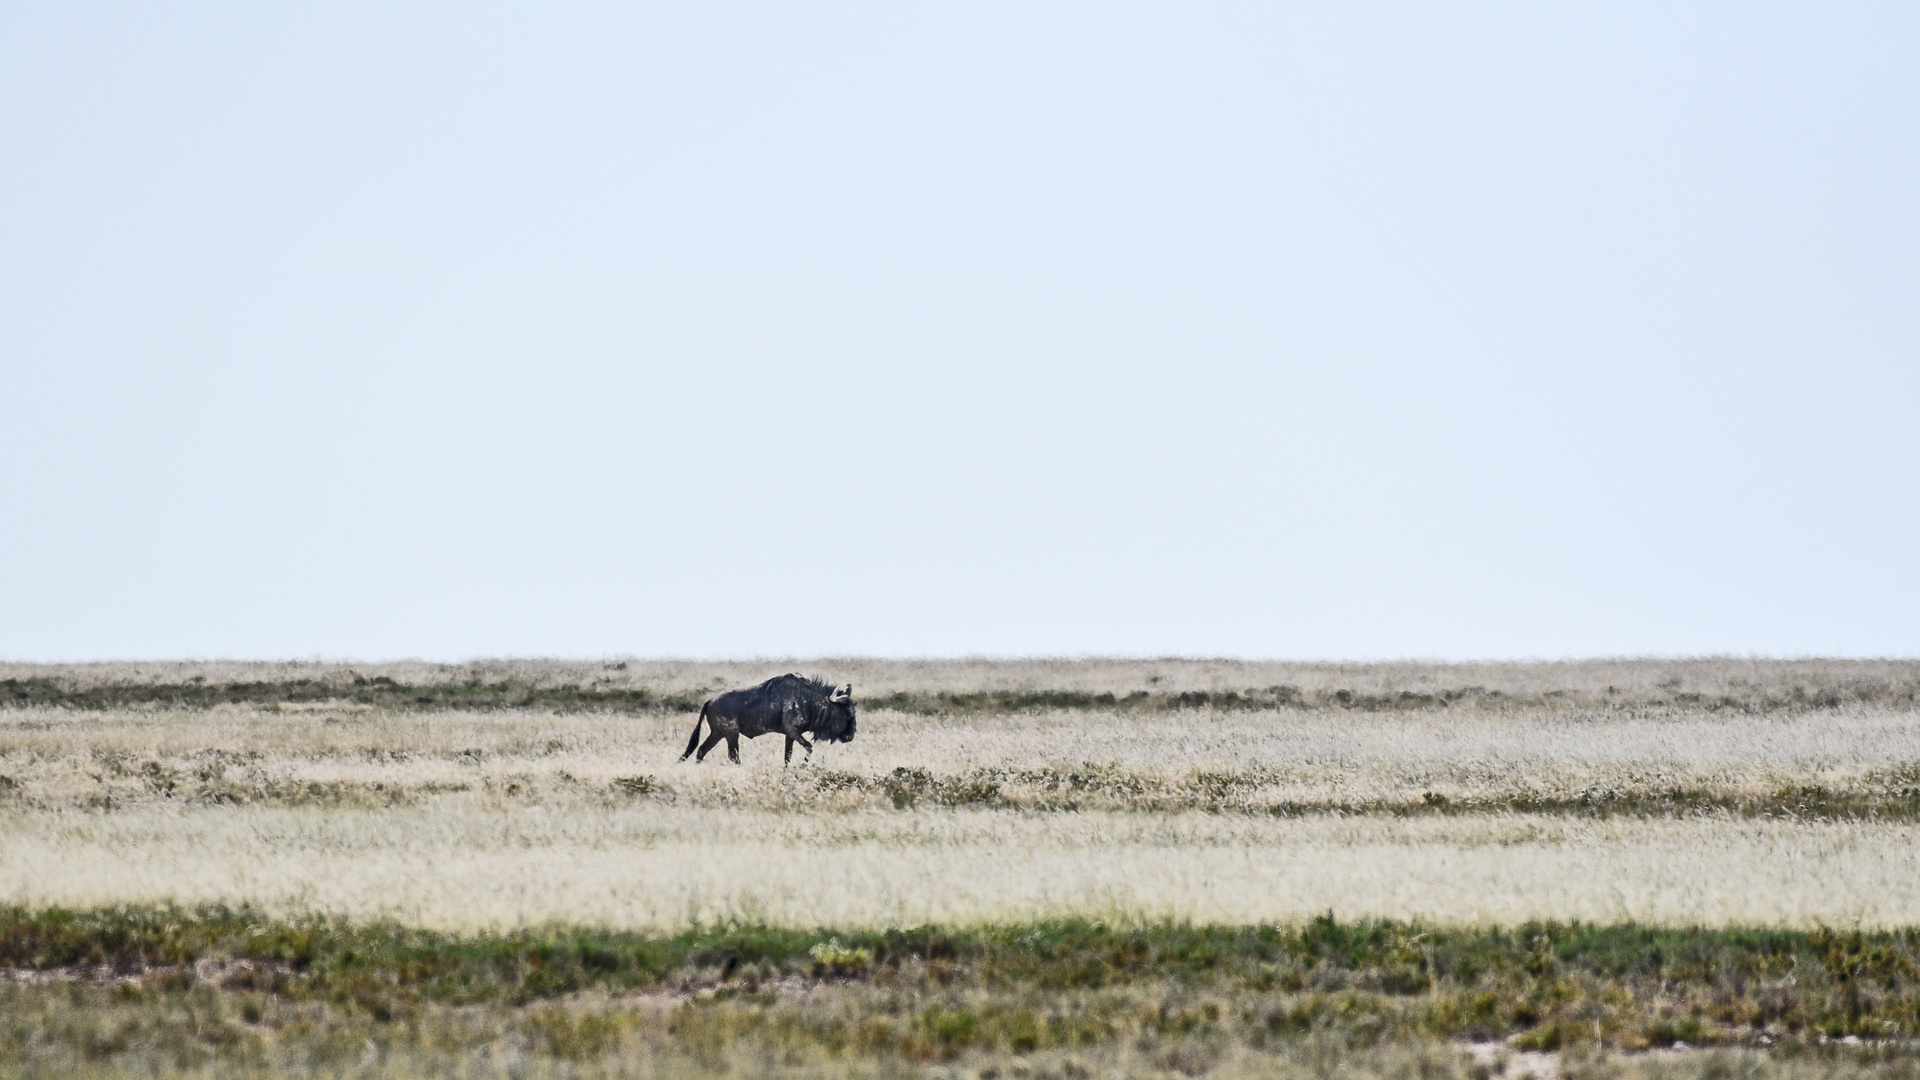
(789, 705)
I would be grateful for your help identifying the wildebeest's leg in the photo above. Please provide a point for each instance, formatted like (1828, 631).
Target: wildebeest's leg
(733, 747)
(792, 717)
(714, 735)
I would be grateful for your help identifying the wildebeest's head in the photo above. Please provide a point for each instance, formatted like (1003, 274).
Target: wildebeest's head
(835, 721)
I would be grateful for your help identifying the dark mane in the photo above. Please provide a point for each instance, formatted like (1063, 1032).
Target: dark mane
(811, 683)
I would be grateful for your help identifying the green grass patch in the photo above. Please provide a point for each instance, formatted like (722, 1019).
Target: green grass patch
(227, 992)
(1444, 981)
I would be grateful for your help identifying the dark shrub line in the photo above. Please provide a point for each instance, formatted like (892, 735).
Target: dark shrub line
(383, 692)
(1899, 800)
(380, 692)
(1885, 694)
(1898, 797)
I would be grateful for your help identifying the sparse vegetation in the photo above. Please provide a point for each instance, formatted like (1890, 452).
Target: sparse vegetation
(220, 990)
(1019, 869)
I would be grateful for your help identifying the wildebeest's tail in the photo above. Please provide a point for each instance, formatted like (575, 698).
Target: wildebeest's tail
(695, 739)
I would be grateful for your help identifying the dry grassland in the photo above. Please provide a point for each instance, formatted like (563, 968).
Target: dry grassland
(1114, 868)
(1664, 814)
(666, 868)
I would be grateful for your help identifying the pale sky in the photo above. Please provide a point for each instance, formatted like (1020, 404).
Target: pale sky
(1332, 331)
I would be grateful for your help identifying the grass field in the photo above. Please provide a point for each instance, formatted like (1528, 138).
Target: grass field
(1587, 860)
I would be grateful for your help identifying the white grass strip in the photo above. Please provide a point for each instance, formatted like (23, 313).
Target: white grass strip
(661, 867)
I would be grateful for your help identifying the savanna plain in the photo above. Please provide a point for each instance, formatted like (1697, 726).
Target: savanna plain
(1016, 869)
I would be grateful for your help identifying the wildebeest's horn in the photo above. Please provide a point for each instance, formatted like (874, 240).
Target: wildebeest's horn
(842, 693)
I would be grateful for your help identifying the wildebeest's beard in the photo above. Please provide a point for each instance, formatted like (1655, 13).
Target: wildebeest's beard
(835, 724)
